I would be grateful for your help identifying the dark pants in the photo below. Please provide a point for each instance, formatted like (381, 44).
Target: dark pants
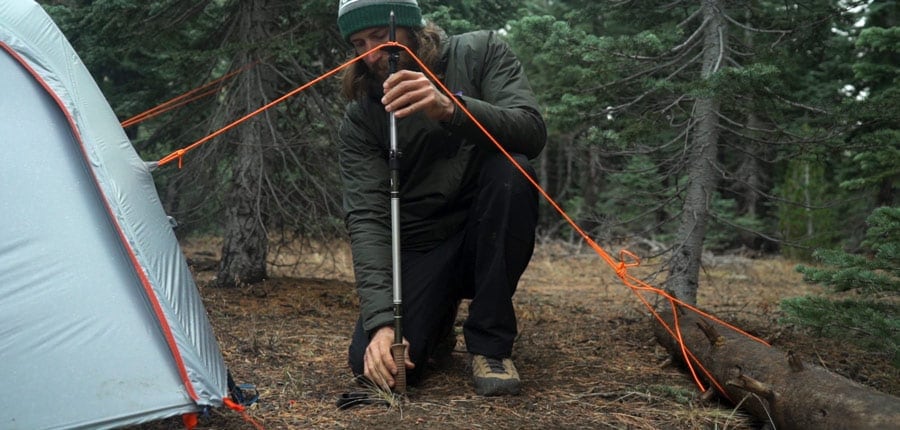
(483, 262)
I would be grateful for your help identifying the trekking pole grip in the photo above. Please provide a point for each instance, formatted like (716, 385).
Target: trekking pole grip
(398, 350)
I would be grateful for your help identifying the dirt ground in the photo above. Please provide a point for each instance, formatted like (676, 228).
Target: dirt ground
(585, 351)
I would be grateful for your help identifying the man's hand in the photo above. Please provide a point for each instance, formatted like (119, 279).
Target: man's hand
(407, 92)
(378, 361)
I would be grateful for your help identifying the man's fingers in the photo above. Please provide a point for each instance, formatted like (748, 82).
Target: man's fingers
(376, 369)
(423, 99)
(400, 76)
(400, 83)
(405, 89)
(411, 109)
(378, 361)
(381, 376)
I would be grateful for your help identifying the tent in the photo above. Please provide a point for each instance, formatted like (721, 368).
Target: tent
(101, 324)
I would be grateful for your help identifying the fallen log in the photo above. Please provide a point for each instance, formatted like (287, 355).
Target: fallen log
(775, 386)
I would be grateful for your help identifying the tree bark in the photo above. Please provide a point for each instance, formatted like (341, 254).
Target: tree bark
(750, 174)
(684, 267)
(775, 386)
(591, 187)
(245, 244)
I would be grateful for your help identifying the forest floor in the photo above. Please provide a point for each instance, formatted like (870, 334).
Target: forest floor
(585, 350)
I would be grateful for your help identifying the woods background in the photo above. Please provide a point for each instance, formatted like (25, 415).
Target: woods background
(676, 127)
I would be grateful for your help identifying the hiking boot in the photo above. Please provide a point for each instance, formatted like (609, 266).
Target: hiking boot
(494, 376)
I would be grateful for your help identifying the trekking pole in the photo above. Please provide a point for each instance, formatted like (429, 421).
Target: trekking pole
(398, 349)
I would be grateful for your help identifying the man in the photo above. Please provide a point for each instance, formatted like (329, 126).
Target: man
(468, 216)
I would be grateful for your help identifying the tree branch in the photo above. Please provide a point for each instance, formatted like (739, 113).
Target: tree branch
(753, 29)
(693, 37)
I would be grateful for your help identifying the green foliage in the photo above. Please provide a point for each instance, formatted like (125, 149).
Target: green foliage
(560, 60)
(805, 222)
(871, 324)
(879, 271)
(143, 53)
(635, 73)
(875, 144)
(868, 312)
(631, 198)
(881, 44)
(133, 74)
(459, 16)
(812, 86)
(725, 232)
(734, 82)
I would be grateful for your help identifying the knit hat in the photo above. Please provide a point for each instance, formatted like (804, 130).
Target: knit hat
(356, 15)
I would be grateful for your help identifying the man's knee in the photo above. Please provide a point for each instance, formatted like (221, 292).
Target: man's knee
(498, 169)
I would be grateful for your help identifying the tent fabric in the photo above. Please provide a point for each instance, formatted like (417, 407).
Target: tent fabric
(101, 324)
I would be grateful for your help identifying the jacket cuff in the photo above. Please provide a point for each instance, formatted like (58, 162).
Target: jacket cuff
(377, 321)
(459, 117)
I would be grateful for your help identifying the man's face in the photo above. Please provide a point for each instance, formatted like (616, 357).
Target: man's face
(377, 61)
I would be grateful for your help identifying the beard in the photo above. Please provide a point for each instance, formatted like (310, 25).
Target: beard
(381, 69)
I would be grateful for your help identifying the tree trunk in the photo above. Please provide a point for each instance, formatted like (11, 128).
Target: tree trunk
(684, 267)
(245, 244)
(749, 173)
(778, 387)
(591, 184)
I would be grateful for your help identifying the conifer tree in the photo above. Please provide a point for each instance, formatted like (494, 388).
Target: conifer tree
(863, 307)
(701, 99)
(265, 183)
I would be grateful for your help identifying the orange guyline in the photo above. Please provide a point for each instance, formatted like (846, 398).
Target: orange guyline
(626, 260)
(186, 98)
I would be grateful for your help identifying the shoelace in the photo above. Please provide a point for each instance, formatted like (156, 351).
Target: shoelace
(496, 365)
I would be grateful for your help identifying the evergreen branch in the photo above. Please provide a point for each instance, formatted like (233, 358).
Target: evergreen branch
(672, 105)
(690, 41)
(739, 227)
(727, 175)
(797, 104)
(753, 29)
(734, 51)
(721, 55)
(650, 71)
(795, 139)
(742, 125)
(741, 135)
(697, 12)
(672, 5)
(646, 93)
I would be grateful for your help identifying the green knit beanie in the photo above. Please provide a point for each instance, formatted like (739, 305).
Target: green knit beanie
(356, 15)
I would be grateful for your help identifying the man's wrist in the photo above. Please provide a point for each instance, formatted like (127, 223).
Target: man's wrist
(448, 111)
(375, 331)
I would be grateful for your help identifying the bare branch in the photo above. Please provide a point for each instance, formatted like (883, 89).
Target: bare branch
(743, 126)
(646, 93)
(673, 104)
(798, 104)
(690, 18)
(721, 34)
(693, 37)
(648, 71)
(753, 29)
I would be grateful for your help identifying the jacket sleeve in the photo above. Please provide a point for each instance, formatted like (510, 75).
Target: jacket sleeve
(506, 105)
(365, 175)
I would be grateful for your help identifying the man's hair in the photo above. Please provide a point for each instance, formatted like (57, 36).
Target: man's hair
(358, 81)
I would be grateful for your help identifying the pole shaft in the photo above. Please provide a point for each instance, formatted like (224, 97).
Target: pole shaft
(398, 349)
(394, 164)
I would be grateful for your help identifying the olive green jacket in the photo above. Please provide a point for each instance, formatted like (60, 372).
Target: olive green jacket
(439, 162)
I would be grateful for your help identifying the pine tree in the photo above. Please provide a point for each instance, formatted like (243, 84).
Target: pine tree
(863, 307)
(700, 98)
(270, 180)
